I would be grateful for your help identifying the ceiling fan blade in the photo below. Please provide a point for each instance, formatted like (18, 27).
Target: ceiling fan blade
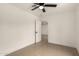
(35, 7)
(50, 5)
(39, 4)
(43, 10)
(36, 3)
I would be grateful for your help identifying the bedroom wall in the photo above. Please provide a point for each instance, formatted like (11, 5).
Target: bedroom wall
(16, 29)
(77, 28)
(61, 28)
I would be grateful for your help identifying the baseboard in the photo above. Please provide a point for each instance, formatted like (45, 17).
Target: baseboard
(77, 51)
(60, 44)
(19, 49)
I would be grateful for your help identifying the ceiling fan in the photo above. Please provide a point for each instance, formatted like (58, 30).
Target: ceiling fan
(42, 6)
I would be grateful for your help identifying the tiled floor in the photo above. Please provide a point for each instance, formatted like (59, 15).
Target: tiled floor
(45, 49)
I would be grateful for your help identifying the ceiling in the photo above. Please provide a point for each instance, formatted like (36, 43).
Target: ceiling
(60, 7)
(27, 7)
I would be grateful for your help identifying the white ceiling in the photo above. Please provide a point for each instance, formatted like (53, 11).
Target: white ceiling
(60, 7)
(27, 7)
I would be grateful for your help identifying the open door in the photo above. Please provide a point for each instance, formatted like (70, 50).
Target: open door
(37, 31)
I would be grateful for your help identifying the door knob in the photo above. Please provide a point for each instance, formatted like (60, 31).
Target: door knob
(36, 32)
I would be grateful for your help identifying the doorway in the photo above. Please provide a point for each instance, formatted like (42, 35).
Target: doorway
(37, 31)
(44, 32)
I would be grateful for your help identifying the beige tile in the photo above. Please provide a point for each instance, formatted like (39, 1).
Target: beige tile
(45, 49)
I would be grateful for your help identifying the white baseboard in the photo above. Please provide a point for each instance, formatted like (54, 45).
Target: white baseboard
(77, 50)
(17, 49)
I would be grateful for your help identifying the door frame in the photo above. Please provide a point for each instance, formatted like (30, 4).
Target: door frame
(35, 31)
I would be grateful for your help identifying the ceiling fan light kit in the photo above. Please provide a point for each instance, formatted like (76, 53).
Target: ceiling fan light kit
(41, 7)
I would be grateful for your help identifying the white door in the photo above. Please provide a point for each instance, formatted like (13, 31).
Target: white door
(37, 31)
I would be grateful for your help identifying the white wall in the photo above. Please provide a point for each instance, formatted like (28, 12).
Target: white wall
(16, 28)
(77, 28)
(61, 28)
